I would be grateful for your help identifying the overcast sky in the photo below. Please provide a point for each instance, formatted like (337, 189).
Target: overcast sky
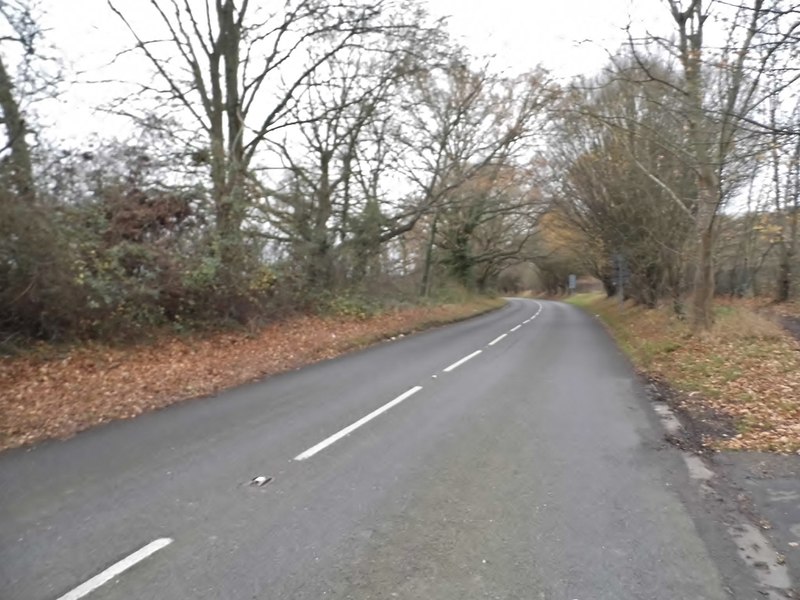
(568, 37)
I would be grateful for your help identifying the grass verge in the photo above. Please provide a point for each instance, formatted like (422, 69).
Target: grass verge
(745, 371)
(54, 394)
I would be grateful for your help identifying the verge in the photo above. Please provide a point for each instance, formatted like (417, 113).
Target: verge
(57, 394)
(738, 386)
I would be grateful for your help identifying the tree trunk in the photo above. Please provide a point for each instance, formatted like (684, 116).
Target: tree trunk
(609, 285)
(784, 276)
(426, 270)
(320, 272)
(227, 151)
(460, 259)
(790, 222)
(702, 301)
(791, 254)
(707, 189)
(16, 132)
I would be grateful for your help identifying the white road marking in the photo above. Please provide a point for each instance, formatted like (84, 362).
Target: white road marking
(497, 339)
(351, 428)
(527, 321)
(514, 328)
(116, 569)
(458, 363)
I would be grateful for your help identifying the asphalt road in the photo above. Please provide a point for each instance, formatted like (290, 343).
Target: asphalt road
(535, 469)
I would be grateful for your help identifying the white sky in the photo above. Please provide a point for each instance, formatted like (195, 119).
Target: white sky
(568, 37)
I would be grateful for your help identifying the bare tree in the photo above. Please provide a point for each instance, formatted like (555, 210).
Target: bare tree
(334, 157)
(457, 121)
(621, 179)
(785, 167)
(410, 121)
(237, 70)
(488, 224)
(716, 118)
(21, 29)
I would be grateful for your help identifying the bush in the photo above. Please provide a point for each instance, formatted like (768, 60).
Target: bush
(38, 287)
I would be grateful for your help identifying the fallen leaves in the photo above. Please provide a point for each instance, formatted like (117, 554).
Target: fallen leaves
(44, 397)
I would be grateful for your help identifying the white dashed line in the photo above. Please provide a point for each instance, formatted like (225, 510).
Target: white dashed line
(116, 569)
(497, 339)
(351, 428)
(514, 328)
(458, 363)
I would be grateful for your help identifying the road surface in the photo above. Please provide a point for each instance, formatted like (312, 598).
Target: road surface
(510, 456)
